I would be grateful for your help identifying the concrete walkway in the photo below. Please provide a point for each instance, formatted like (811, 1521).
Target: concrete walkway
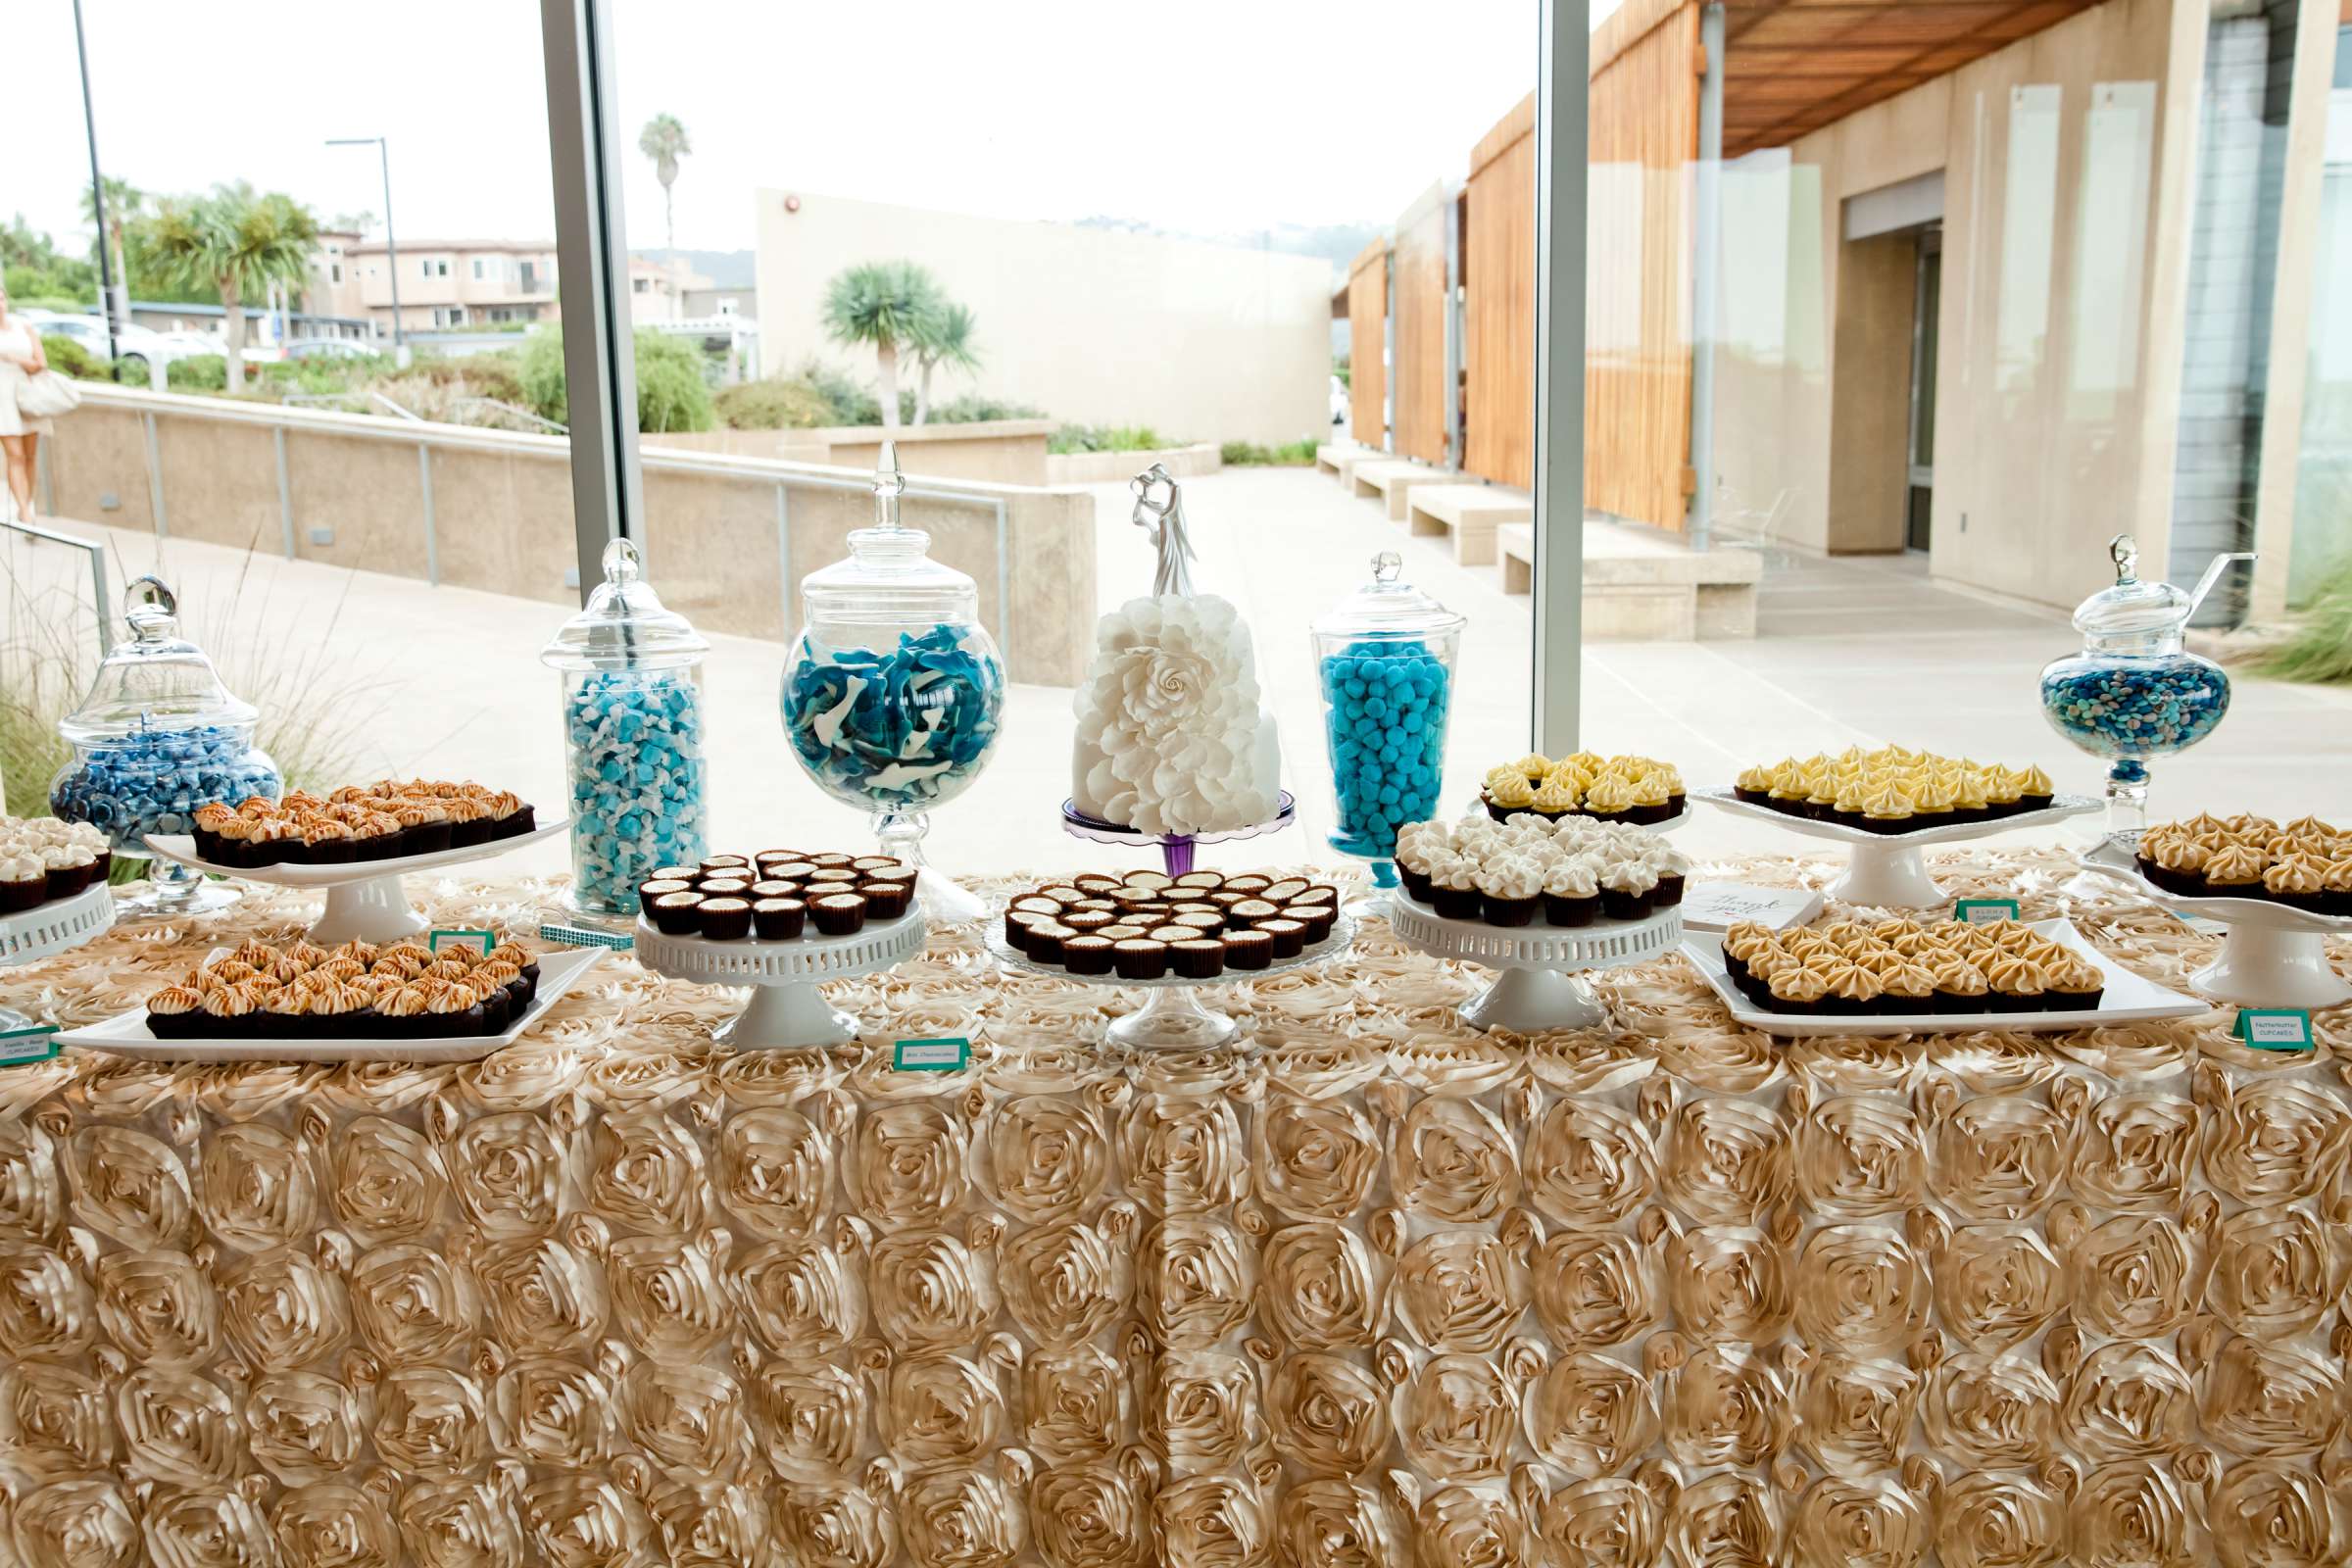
(1858, 650)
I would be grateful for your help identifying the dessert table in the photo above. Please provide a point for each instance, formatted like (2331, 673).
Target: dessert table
(1375, 1288)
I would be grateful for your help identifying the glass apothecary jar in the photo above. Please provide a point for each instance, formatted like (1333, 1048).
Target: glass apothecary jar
(2134, 691)
(157, 736)
(632, 737)
(894, 695)
(1385, 657)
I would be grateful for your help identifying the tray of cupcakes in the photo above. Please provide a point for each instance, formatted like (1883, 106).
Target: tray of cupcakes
(1640, 791)
(1888, 976)
(1528, 872)
(419, 1000)
(45, 860)
(777, 896)
(1895, 791)
(1150, 928)
(357, 832)
(2304, 865)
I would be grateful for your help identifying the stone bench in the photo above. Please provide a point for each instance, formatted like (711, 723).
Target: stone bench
(1470, 513)
(1393, 480)
(1340, 457)
(1644, 586)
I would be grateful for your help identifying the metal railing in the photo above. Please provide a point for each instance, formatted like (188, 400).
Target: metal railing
(100, 600)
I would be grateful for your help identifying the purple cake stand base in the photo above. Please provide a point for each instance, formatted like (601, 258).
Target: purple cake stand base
(1175, 849)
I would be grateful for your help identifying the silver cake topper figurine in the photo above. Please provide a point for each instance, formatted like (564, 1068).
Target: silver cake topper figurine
(1160, 512)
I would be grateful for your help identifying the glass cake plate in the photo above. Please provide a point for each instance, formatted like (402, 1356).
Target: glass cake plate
(1885, 870)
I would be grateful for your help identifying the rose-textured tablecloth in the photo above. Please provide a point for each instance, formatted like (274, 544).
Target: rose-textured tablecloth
(1382, 1290)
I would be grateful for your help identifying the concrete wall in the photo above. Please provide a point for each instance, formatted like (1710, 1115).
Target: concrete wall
(2059, 325)
(1117, 468)
(728, 538)
(1002, 451)
(1201, 342)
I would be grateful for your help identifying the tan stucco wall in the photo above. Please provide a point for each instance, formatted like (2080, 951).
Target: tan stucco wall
(1001, 451)
(501, 515)
(2042, 436)
(1201, 342)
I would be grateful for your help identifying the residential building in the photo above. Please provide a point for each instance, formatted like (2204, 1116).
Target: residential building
(701, 302)
(1091, 325)
(658, 287)
(457, 282)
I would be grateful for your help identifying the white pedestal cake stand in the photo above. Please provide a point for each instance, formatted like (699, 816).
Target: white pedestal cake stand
(1540, 987)
(1885, 870)
(1175, 849)
(365, 901)
(787, 1009)
(43, 931)
(2272, 956)
(1172, 1018)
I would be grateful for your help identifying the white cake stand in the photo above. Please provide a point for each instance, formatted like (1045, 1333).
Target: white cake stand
(2273, 956)
(1679, 820)
(1540, 987)
(365, 901)
(43, 931)
(787, 1009)
(1172, 1018)
(1885, 870)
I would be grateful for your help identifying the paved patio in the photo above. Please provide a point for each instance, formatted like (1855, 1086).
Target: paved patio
(1853, 650)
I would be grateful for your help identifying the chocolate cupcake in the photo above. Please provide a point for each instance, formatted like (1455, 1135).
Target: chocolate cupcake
(779, 919)
(1252, 910)
(866, 865)
(23, 883)
(1289, 936)
(1045, 940)
(678, 914)
(1088, 920)
(724, 887)
(677, 873)
(837, 914)
(468, 822)
(1198, 958)
(648, 893)
(1248, 950)
(1318, 919)
(770, 887)
(831, 857)
(174, 1011)
(723, 864)
(1172, 933)
(1018, 923)
(886, 901)
(1085, 954)
(1139, 959)
(728, 918)
(1202, 879)
(1094, 882)
(894, 875)
(1204, 923)
(800, 871)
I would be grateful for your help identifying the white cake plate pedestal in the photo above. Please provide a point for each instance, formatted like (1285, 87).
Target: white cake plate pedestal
(1172, 1018)
(1679, 820)
(365, 899)
(2272, 957)
(1175, 849)
(787, 1010)
(1887, 870)
(1540, 986)
(42, 932)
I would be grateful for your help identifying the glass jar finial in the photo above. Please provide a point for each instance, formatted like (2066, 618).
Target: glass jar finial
(888, 486)
(622, 563)
(2123, 551)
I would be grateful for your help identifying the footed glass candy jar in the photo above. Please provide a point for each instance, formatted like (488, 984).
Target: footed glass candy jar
(894, 696)
(2135, 691)
(1385, 657)
(632, 737)
(157, 736)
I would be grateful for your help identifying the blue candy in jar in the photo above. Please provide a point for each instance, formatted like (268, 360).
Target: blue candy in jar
(152, 780)
(2137, 708)
(907, 728)
(633, 746)
(1384, 724)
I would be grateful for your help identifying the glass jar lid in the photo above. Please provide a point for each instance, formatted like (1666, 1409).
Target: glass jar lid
(1389, 607)
(624, 625)
(2130, 607)
(889, 576)
(153, 679)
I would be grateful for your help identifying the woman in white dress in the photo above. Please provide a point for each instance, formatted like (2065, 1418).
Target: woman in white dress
(21, 358)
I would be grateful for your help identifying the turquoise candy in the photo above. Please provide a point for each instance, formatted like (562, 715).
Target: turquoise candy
(906, 728)
(2133, 709)
(1384, 728)
(633, 748)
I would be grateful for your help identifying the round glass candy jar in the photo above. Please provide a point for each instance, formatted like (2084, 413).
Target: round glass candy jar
(894, 696)
(632, 737)
(157, 736)
(2134, 691)
(1385, 657)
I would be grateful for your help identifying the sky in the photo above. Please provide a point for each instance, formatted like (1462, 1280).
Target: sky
(1220, 118)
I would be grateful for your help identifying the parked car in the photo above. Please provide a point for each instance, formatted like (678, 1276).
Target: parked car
(329, 348)
(135, 347)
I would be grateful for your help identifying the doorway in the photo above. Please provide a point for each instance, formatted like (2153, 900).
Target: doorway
(1926, 293)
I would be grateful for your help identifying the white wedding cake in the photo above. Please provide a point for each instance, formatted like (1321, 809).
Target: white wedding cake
(1171, 739)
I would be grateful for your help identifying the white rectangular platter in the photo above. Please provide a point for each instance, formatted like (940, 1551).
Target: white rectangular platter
(125, 1034)
(2128, 999)
(181, 847)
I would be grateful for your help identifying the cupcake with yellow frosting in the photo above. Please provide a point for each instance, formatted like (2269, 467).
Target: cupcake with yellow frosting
(1637, 790)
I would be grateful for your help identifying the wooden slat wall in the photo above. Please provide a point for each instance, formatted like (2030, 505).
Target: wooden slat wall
(1367, 341)
(1418, 362)
(1637, 255)
(1498, 282)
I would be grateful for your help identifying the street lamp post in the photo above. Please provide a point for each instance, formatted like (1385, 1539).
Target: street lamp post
(113, 309)
(383, 153)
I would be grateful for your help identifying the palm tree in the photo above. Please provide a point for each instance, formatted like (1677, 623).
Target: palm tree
(942, 337)
(885, 305)
(126, 203)
(663, 140)
(234, 241)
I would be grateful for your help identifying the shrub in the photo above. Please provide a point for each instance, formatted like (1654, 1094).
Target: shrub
(1105, 438)
(672, 393)
(1249, 454)
(2319, 652)
(851, 403)
(772, 405)
(68, 358)
(199, 372)
(973, 407)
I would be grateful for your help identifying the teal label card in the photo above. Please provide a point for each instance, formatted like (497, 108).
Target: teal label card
(480, 941)
(2273, 1028)
(1983, 912)
(20, 1046)
(931, 1056)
